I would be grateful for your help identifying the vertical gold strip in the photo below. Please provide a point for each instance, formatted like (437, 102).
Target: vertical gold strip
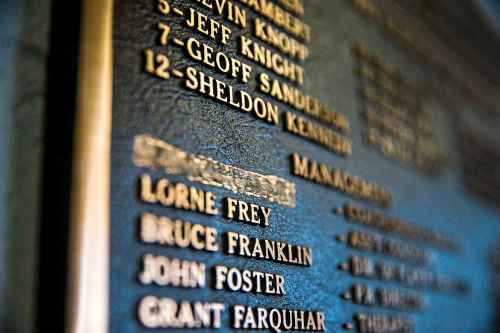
(88, 285)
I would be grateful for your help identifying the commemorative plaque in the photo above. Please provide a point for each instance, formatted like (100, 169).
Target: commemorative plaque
(276, 165)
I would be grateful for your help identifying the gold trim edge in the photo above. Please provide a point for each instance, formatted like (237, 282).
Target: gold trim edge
(88, 279)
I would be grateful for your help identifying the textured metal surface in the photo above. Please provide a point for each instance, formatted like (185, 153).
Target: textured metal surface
(165, 110)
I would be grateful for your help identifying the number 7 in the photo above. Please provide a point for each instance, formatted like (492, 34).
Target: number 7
(165, 32)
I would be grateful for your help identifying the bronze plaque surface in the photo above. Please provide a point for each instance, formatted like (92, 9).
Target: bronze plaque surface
(296, 165)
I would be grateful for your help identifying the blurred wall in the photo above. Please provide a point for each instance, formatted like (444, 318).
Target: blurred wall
(24, 31)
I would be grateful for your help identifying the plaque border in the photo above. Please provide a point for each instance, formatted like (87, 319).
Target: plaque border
(89, 242)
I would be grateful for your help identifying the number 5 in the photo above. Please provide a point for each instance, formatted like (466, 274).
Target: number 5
(163, 7)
